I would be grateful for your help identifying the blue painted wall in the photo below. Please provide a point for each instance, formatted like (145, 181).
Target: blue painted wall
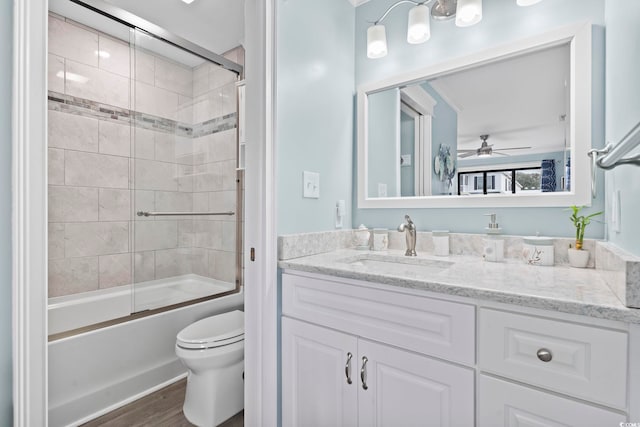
(407, 146)
(444, 130)
(623, 112)
(315, 110)
(6, 40)
(503, 21)
(384, 131)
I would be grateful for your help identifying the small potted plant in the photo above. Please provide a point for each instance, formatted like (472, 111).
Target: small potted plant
(579, 257)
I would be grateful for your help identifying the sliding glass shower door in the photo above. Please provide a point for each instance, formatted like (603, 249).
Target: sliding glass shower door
(185, 177)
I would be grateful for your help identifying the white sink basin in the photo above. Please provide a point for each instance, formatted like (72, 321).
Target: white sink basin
(397, 265)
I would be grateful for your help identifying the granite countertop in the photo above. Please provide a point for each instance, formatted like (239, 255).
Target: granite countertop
(560, 288)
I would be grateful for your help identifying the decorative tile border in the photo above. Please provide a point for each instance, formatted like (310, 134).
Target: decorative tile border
(622, 272)
(88, 108)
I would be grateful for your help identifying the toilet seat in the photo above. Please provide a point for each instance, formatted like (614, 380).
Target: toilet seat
(215, 331)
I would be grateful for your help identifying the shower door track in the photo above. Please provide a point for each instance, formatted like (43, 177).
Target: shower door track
(134, 21)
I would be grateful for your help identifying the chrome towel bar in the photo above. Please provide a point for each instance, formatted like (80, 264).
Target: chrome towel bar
(143, 213)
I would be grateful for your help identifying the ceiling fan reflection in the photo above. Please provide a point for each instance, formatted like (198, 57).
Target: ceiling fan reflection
(486, 150)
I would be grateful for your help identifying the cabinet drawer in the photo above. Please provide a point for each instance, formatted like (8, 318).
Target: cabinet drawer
(502, 403)
(425, 325)
(585, 361)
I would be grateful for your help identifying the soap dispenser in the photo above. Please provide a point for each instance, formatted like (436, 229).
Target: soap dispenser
(493, 243)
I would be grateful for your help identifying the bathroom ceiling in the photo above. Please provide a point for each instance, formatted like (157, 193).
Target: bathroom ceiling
(217, 25)
(518, 101)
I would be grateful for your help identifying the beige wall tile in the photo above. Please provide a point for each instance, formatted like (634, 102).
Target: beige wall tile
(185, 109)
(96, 238)
(73, 42)
(144, 66)
(219, 77)
(155, 235)
(72, 275)
(144, 143)
(152, 175)
(184, 150)
(165, 147)
(114, 56)
(200, 202)
(96, 170)
(73, 204)
(72, 132)
(229, 103)
(228, 236)
(114, 138)
(207, 177)
(173, 262)
(199, 262)
(208, 234)
(56, 240)
(97, 85)
(55, 73)
(56, 166)
(222, 201)
(114, 270)
(174, 201)
(186, 237)
(173, 77)
(156, 101)
(144, 266)
(222, 266)
(228, 172)
(185, 178)
(115, 205)
(200, 79)
(207, 106)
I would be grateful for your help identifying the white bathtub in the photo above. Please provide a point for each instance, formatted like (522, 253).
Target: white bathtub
(75, 311)
(95, 372)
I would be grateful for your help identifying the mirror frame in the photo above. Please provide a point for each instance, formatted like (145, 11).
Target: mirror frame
(578, 36)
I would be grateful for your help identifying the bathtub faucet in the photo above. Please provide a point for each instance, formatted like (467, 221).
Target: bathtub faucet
(409, 228)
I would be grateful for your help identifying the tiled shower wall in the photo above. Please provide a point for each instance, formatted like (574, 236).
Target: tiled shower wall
(133, 131)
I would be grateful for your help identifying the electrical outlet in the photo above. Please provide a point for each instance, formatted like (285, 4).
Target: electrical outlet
(382, 190)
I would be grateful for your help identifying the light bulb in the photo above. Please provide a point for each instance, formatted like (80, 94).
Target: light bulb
(376, 41)
(468, 12)
(527, 2)
(418, 29)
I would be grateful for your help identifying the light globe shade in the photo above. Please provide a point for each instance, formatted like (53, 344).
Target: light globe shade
(468, 12)
(527, 2)
(419, 28)
(376, 41)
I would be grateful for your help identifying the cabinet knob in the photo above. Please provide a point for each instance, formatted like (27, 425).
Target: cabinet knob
(544, 355)
(363, 373)
(347, 368)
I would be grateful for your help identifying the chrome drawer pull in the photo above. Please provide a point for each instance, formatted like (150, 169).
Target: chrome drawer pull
(347, 368)
(363, 373)
(544, 355)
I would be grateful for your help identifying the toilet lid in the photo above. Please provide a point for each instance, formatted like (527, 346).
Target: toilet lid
(214, 331)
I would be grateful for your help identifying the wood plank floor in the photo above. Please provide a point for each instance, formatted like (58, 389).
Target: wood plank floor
(160, 409)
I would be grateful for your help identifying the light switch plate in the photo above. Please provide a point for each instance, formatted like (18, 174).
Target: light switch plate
(311, 184)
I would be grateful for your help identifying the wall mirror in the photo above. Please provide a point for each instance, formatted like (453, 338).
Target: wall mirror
(510, 126)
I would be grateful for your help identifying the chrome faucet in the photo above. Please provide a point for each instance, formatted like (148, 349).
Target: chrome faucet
(409, 228)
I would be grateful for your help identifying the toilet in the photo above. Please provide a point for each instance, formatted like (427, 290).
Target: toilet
(212, 349)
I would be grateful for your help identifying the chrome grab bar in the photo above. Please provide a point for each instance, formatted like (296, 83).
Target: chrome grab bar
(143, 213)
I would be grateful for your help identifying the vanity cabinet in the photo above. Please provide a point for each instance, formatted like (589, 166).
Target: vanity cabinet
(337, 378)
(359, 353)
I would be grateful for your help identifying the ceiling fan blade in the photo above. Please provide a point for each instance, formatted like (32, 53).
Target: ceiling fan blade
(501, 154)
(467, 154)
(515, 148)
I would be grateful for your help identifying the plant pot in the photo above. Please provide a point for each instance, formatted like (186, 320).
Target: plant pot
(578, 258)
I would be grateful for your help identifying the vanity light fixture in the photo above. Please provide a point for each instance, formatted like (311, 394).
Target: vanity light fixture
(188, 1)
(466, 13)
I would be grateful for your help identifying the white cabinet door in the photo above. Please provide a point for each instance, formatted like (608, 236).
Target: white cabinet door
(315, 383)
(400, 388)
(502, 403)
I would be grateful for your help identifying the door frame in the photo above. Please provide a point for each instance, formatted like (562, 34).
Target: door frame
(29, 216)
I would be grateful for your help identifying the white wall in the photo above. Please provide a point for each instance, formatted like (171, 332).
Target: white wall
(6, 40)
(315, 110)
(623, 112)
